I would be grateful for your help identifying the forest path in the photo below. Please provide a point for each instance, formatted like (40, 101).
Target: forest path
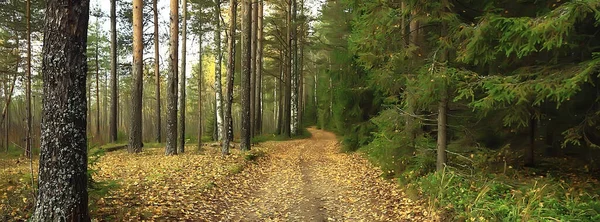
(310, 180)
(296, 180)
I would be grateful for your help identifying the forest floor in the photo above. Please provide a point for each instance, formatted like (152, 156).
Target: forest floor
(297, 180)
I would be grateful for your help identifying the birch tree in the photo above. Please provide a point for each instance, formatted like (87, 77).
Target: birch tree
(228, 134)
(218, 60)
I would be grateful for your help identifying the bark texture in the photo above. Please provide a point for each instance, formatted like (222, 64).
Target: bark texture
(181, 144)
(28, 85)
(253, 35)
(171, 148)
(62, 194)
(113, 72)
(259, 69)
(228, 134)
(135, 131)
(157, 73)
(245, 75)
(294, 71)
(219, 59)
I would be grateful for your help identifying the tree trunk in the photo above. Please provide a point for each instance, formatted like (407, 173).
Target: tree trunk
(181, 147)
(442, 134)
(246, 75)
(294, 72)
(253, 35)
(258, 69)
(63, 157)
(315, 98)
(171, 148)
(200, 82)
(97, 133)
(28, 85)
(280, 89)
(113, 72)
(442, 140)
(228, 135)
(288, 73)
(135, 132)
(157, 72)
(301, 69)
(219, 60)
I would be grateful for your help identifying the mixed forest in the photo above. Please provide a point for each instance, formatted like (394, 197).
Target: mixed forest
(300, 110)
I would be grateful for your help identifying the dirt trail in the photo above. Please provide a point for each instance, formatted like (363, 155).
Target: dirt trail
(309, 180)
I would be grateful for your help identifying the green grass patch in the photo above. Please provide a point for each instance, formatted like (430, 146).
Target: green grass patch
(15, 151)
(496, 198)
(235, 168)
(254, 155)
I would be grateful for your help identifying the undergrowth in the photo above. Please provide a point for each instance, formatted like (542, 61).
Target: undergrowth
(303, 134)
(491, 197)
(482, 184)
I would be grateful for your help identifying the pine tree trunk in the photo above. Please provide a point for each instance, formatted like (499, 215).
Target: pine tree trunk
(181, 144)
(172, 80)
(288, 75)
(294, 73)
(246, 75)
(442, 128)
(28, 85)
(157, 73)
(113, 72)
(63, 157)
(97, 133)
(135, 132)
(280, 89)
(228, 136)
(253, 44)
(259, 69)
(200, 83)
(218, 79)
(301, 93)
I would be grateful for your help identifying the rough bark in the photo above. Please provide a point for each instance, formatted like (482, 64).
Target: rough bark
(253, 35)
(157, 72)
(227, 138)
(28, 85)
(259, 69)
(294, 73)
(171, 148)
(218, 77)
(113, 71)
(135, 124)
(181, 144)
(246, 75)
(62, 183)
